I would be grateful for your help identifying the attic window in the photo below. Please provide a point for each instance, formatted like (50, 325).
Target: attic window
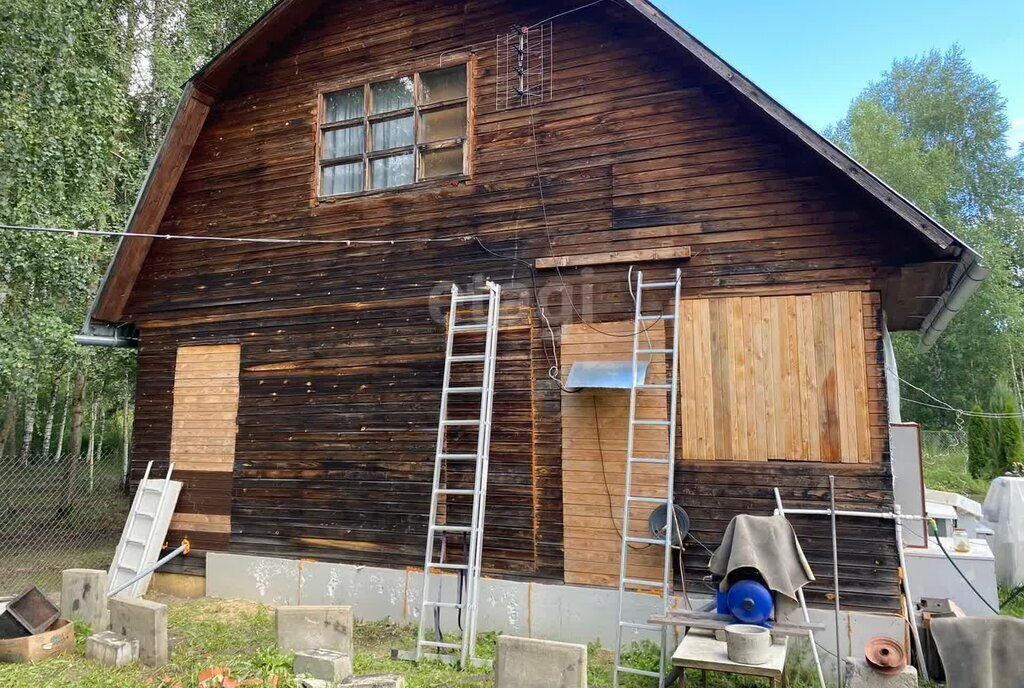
(394, 133)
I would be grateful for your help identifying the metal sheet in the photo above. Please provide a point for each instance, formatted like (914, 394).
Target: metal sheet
(605, 374)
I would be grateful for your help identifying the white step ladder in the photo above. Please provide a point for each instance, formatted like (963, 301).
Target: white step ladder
(641, 323)
(466, 600)
(144, 533)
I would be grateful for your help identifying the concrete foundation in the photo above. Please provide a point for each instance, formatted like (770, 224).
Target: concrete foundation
(260, 579)
(326, 665)
(144, 621)
(860, 675)
(83, 597)
(529, 663)
(550, 611)
(178, 585)
(313, 627)
(375, 681)
(111, 649)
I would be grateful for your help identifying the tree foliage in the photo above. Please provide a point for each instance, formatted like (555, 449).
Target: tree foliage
(87, 88)
(980, 444)
(936, 130)
(1009, 444)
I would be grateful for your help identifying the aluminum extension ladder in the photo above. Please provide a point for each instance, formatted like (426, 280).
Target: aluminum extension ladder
(143, 533)
(641, 322)
(466, 602)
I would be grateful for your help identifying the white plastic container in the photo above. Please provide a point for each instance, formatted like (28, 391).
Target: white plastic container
(748, 644)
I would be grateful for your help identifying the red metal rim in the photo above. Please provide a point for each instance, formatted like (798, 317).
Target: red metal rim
(885, 655)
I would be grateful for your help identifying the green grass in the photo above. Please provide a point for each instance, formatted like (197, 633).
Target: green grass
(1016, 607)
(240, 635)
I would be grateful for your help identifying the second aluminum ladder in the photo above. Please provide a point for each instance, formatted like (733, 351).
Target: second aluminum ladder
(466, 602)
(644, 348)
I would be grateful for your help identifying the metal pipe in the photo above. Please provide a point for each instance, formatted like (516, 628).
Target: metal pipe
(856, 514)
(835, 575)
(905, 579)
(897, 517)
(183, 548)
(803, 606)
(115, 341)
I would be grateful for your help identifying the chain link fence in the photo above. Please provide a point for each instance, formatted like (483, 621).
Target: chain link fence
(53, 518)
(943, 443)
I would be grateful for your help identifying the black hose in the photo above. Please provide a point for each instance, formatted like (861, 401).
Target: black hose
(1013, 595)
(935, 532)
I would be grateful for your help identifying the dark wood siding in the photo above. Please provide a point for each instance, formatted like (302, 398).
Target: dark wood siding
(341, 360)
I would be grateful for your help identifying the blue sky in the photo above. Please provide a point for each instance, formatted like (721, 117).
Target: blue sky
(814, 56)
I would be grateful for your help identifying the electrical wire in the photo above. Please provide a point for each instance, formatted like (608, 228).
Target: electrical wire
(562, 14)
(235, 240)
(944, 405)
(551, 245)
(554, 370)
(604, 475)
(490, 42)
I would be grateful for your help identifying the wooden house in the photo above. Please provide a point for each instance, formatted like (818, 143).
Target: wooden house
(296, 384)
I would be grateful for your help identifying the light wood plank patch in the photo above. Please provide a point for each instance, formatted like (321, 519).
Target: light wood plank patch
(778, 378)
(594, 439)
(204, 422)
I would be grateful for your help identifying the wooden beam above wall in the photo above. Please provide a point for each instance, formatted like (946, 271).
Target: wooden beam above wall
(643, 255)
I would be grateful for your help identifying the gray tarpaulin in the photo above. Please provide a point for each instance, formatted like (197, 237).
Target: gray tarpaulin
(981, 651)
(768, 544)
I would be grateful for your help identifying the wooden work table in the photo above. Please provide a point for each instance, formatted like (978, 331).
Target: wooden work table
(700, 650)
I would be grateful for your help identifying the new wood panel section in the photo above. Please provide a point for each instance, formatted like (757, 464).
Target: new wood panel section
(777, 377)
(203, 430)
(595, 423)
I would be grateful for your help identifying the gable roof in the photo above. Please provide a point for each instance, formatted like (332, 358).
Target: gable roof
(202, 89)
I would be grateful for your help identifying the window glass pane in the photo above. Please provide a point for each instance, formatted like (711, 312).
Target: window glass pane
(449, 123)
(343, 105)
(442, 162)
(392, 133)
(392, 95)
(395, 170)
(341, 179)
(444, 84)
(339, 143)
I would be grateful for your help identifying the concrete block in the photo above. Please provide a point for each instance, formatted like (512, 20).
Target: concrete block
(314, 627)
(314, 683)
(144, 621)
(261, 579)
(375, 681)
(860, 675)
(326, 665)
(83, 597)
(111, 649)
(529, 663)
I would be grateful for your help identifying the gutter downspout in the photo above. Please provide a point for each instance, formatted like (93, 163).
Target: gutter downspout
(965, 280)
(115, 336)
